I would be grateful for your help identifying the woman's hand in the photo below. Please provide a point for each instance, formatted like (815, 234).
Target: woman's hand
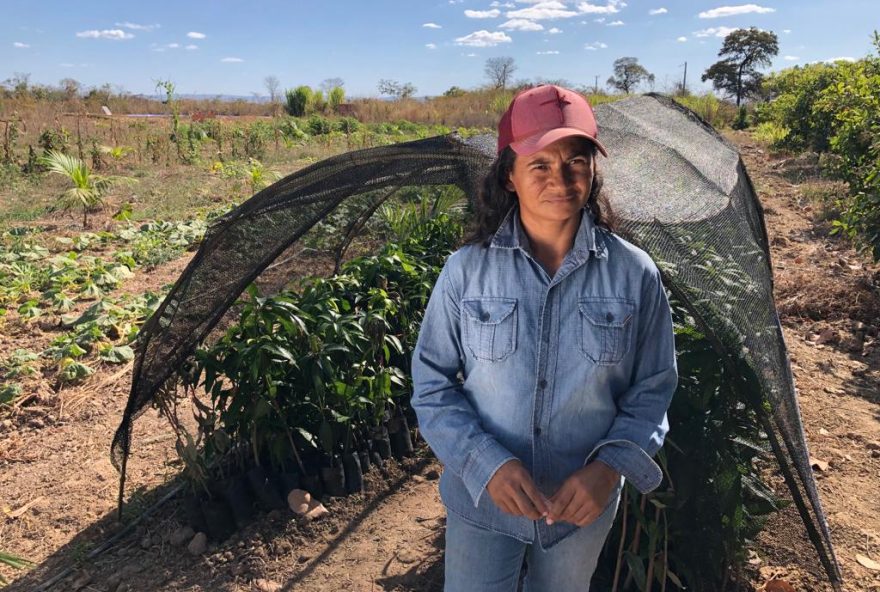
(583, 495)
(512, 490)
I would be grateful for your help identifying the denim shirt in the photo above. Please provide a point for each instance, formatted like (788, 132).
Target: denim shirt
(511, 363)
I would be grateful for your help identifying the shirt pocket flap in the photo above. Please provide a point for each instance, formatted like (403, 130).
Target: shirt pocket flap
(489, 310)
(607, 312)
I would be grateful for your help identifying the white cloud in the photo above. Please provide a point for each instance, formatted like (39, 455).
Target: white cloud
(844, 59)
(723, 11)
(550, 9)
(136, 27)
(432, 26)
(115, 34)
(791, 58)
(615, 24)
(521, 25)
(232, 60)
(431, 45)
(612, 7)
(601, 19)
(191, 47)
(471, 55)
(655, 11)
(554, 31)
(786, 31)
(20, 45)
(594, 46)
(173, 45)
(481, 14)
(682, 39)
(497, 4)
(483, 38)
(196, 35)
(551, 52)
(69, 65)
(715, 32)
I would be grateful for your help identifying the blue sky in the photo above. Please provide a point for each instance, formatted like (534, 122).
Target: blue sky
(225, 47)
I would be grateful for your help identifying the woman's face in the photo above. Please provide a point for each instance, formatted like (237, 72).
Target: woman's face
(553, 184)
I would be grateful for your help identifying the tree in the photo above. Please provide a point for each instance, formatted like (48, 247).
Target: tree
(70, 87)
(298, 100)
(335, 97)
(499, 71)
(396, 89)
(329, 84)
(88, 188)
(628, 74)
(272, 86)
(746, 51)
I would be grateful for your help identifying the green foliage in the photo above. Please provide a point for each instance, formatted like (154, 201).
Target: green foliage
(712, 491)
(746, 50)
(836, 108)
(88, 188)
(347, 125)
(14, 562)
(336, 97)
(742, 118)
(628, 74)
(318, 368)
(771, 133)
(319, 126)
(297, 100)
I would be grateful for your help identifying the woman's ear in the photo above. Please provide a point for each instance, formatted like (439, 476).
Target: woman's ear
(509, 185)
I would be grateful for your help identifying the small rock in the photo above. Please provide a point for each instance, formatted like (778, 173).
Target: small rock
(873, 445)
(418, 478)
(181, 536)
(146, 542)
(198, 544)
(299, 500)
(828, 336)
(819, 465)
(823, 432)
(315, 511)
(875, 454)
(432, 475)
(266, 585)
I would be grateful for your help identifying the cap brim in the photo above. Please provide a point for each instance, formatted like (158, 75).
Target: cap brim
(540, 141)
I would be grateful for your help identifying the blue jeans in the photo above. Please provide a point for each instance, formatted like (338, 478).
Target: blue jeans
(480, 560)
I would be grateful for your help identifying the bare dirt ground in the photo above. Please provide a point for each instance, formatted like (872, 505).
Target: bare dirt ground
(58, 489)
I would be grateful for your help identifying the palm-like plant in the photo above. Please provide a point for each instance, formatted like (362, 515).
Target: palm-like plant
(13, 561)
(88, 188)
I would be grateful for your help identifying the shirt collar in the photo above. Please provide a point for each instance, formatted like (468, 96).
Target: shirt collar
(511, 235)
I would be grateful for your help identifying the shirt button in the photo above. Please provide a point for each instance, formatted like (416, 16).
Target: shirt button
(609, 317)
(484, 316)
(537, 431)
(542, 383)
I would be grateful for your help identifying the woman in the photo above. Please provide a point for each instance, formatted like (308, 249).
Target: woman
(545, 363)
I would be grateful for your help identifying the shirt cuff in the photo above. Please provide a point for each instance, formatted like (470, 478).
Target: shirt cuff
(481, 466)
(631, 461)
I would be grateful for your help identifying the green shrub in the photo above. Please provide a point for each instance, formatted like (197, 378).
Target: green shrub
(347, 125)
(771, 133)
(319, 126)
(336, 97)
(297, 100)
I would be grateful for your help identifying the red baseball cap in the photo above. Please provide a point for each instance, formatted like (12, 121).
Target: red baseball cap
(539, 116)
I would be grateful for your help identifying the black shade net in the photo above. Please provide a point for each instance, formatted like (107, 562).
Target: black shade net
(681, 193)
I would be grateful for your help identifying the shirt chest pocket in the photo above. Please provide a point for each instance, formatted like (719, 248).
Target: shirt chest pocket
(605, 328)
(489, 327)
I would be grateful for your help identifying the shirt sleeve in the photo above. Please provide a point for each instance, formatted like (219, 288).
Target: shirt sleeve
(641, 424)
(447, 420)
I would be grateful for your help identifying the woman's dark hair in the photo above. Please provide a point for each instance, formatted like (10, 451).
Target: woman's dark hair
(494, 200)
